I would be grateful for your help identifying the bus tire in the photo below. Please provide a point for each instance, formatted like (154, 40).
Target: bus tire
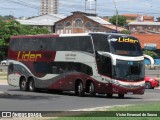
(121, 95)
(23, 84)
(91, 89)
(79, 89)
(109, 95)
(31, 85)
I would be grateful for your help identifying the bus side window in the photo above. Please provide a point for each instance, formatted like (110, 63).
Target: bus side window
(100, 42)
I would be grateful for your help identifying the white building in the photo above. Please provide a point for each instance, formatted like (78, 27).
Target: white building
(49, 7)
(45, 21)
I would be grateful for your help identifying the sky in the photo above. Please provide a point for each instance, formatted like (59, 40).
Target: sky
(29, 8)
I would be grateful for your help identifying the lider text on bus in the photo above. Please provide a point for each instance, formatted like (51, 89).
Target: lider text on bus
(23, 56)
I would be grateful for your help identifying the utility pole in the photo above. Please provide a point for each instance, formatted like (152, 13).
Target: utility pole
(116, 14)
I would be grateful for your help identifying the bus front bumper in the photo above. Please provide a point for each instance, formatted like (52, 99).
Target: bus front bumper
(128, 87)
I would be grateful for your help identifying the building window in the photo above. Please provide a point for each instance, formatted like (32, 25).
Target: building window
(59, 26)
(96, 28)
(88, 25)
(154, 29)
(78, 22)
(68, 24)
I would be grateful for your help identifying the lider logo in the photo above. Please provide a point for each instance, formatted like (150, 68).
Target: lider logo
(23, 56)
(127, 40)
(123, 40)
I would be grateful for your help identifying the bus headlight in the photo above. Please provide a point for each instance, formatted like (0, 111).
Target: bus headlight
(115, 81)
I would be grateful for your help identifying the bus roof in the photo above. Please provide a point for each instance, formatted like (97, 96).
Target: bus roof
(35, 36)
(65, 35)
(119, 34)
(74, 34)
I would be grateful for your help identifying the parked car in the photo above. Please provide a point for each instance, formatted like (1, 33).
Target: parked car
(151, 82)
(4, 62)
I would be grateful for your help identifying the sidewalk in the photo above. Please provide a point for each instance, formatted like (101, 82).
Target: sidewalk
(3, 81)
(3, 78)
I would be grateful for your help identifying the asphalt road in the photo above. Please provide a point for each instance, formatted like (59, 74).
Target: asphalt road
(154, 73)
(17, 100)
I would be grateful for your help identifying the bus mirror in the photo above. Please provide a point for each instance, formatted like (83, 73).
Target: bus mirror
(10, 68)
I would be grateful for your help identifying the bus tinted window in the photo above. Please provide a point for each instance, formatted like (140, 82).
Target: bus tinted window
(124, 45)
(62, 67)
(100, 42)
(32, 44)
(77, 43)
(14, 44)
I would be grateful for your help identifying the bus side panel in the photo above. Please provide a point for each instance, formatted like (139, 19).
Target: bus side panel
(13, 79)
(68, 81)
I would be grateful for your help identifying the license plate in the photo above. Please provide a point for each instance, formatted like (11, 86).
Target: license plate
(130, 93)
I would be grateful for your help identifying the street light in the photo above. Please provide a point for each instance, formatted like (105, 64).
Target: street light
(116, 14)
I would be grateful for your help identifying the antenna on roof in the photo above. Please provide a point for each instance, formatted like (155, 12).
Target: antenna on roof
(91, 6)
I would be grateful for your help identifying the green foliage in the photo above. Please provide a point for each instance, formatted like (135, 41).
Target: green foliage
(150, 53)
(125, 32)
(14, 28)
(121, 20)
(29, 30)
(104, 115)
(7, 17)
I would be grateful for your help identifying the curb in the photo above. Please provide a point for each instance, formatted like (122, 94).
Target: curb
(101, 108)
(3, 83)
(3, 94)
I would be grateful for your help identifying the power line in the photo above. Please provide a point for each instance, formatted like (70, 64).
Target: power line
(22, 3)
(70, 6)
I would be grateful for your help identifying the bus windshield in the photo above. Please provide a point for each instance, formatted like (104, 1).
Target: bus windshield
(129, 70)
(124, 45)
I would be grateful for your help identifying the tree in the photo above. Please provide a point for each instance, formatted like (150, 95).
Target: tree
(8, 17)
(121, 20)
(150, 53)
(125, 32)
(14, 28)
(30, 30)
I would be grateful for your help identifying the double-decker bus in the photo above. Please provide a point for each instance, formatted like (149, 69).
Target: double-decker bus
(88, 63)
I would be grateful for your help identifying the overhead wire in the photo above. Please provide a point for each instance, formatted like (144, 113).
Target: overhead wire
(71, 6)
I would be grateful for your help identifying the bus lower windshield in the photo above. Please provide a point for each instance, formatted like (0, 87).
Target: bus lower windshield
(129, 70)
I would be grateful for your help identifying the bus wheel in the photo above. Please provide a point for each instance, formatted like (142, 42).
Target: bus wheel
(79, 89)
(91, 89)
(121, 95)
(109, 95)
(23, 84)
(31, 85)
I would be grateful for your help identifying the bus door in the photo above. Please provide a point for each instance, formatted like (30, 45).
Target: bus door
(104, 65)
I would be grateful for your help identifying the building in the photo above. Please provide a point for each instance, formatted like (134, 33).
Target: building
(80, 22)
(150, 42)
(138, 18)
(144, 27)
(43, 21)
(49, 7)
